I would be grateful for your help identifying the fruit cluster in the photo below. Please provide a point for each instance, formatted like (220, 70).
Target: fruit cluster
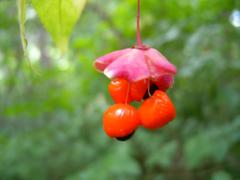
(121, 119)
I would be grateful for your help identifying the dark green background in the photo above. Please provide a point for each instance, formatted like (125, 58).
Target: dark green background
(51, 119)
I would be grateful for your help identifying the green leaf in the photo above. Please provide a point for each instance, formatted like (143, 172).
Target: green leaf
(59, 17)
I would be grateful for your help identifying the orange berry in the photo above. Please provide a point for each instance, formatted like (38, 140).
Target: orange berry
(157, 111)
(123, 91)
(119, 90)
(120, 120)
(138, 89)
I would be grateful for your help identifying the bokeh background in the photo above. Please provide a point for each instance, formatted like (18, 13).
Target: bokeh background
(51, 119)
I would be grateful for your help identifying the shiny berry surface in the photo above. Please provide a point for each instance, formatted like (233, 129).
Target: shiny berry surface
(157, 111)
(123, 91)
(138, 89)
(119, 90)
(120, 120)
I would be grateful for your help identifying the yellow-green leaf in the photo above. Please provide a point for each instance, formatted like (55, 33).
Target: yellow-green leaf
(59, 17)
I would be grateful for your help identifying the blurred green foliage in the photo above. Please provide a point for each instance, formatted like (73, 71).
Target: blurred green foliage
(50, 121)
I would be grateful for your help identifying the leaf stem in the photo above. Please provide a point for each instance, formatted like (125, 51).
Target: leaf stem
(21, 4)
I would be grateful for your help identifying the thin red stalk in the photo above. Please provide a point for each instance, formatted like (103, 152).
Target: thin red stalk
(139, 40)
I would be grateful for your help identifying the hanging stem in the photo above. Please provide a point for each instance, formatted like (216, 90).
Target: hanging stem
(139, 40)
(128, 92)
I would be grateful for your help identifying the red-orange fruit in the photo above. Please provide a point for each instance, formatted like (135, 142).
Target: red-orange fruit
(123, 91)
(120, 120)
(157, 111)
(138, 89)
(119, 90)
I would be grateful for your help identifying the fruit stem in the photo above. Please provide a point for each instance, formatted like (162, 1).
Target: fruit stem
(139, 40)
(149, 86)
(128, 93)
